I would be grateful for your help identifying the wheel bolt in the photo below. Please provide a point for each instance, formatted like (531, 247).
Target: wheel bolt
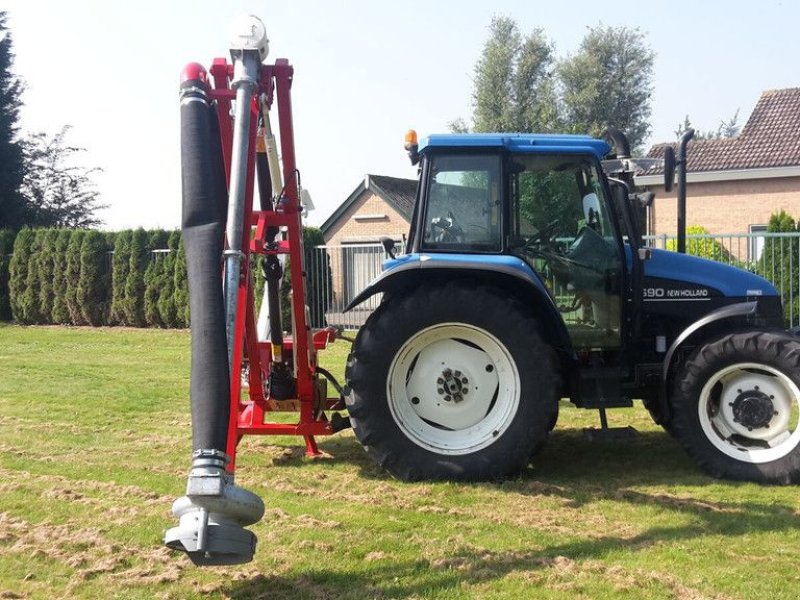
(447, 372)
(464, 380)
(457, 398)
(464, 391)
(440, 381)
(457, 374)
(440, 391)
(448, 398)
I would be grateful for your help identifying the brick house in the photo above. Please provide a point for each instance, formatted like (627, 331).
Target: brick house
(735, 184)
(379, 206)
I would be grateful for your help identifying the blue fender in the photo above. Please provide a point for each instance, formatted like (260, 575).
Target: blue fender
(511, 272)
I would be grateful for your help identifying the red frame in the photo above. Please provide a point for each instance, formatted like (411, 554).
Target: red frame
(248, 415)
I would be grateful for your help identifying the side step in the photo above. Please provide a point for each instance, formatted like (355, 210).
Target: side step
(600, 388)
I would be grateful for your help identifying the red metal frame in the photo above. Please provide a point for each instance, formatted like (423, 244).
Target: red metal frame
(248, 414)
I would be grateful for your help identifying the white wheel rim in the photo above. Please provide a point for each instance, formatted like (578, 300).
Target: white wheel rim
(482, 374)
(751, 412)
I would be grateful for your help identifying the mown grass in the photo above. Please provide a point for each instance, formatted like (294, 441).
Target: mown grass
(94, 446)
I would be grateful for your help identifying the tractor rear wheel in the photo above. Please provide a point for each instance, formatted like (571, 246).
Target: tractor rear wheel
(736, 407)
(451, 382)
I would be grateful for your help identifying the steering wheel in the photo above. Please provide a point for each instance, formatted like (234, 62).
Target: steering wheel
(542, 236)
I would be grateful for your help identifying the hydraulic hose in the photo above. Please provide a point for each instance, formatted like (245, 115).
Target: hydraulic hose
(203, 227)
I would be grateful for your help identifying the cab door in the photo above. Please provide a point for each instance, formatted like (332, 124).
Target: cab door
(561, 224)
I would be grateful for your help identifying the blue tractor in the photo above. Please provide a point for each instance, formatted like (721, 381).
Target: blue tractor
(525, 280)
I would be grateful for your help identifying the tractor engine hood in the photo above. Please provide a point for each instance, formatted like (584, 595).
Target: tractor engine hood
(727, 280)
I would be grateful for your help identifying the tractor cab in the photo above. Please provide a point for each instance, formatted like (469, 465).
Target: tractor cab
(542, 199)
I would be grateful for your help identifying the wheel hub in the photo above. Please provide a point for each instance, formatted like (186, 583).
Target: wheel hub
(452, 385)
(753, 409)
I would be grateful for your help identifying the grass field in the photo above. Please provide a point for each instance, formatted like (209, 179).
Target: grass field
(94, 447)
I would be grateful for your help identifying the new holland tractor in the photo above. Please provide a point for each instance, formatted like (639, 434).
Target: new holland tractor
(525, 280)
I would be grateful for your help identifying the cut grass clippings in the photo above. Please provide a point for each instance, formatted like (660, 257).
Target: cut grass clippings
(95, 443)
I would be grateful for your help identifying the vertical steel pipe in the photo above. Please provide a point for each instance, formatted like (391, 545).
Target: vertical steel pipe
(681, 164)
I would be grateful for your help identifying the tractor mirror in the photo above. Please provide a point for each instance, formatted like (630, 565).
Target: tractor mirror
(591, 208)
(669, 167)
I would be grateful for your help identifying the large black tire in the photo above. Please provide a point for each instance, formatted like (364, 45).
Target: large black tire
(736, 404)
(398, 380)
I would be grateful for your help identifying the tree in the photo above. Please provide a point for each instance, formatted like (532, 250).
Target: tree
(120, 265)
(60, 310)
(726, 129)
(57, 192)
(133, 303)
(180, 287)
(45, 269)
(779, 262)
(513, 88)
(167, 313)
(12, 208)
(609, 82)
(73, 273)
(18, 272)
(6, 248)
(30, 294)
(93, 281)
(153, 278)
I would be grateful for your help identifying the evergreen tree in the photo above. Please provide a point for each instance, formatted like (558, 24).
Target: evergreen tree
(12, 208)
(153, 281)
(72, 274)
(93, 281)
(181, 288)
(6, 248)
(166, 300)
(609, 82)
(134, 283)
(46, 274)
(60, 311)
(18, 272)
(120, 266)
(30, 294)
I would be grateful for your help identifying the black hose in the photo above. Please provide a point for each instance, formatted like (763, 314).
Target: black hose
(203, 228)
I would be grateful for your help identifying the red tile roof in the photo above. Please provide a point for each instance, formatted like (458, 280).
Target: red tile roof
(771, 138)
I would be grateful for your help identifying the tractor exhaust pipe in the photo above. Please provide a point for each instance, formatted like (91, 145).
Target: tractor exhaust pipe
(214, 511)
(681, 164)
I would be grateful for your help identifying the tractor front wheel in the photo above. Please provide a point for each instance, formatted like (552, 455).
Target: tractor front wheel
(736, 407)
(451, 382)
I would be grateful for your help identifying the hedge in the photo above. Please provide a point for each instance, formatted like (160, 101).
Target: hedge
(72, 277)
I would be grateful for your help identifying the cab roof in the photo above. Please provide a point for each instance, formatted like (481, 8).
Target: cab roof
(518, 142)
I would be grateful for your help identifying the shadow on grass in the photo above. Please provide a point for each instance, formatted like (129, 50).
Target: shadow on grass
(652, 458)
(424, 578)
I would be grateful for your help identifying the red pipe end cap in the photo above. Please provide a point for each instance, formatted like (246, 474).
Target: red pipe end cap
(194, 72)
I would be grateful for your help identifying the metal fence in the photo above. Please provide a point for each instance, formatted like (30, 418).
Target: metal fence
(350, 267)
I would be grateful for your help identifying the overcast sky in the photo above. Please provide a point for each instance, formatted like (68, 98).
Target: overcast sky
(365, 72)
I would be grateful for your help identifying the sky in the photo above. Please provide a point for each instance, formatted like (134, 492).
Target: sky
(365, 72)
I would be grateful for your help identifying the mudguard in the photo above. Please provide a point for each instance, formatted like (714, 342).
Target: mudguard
(514, 274)
(739, 310)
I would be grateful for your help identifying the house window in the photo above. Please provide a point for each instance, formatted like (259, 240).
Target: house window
(756, 245)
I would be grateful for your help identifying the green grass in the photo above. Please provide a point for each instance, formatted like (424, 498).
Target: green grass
(95, 443)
